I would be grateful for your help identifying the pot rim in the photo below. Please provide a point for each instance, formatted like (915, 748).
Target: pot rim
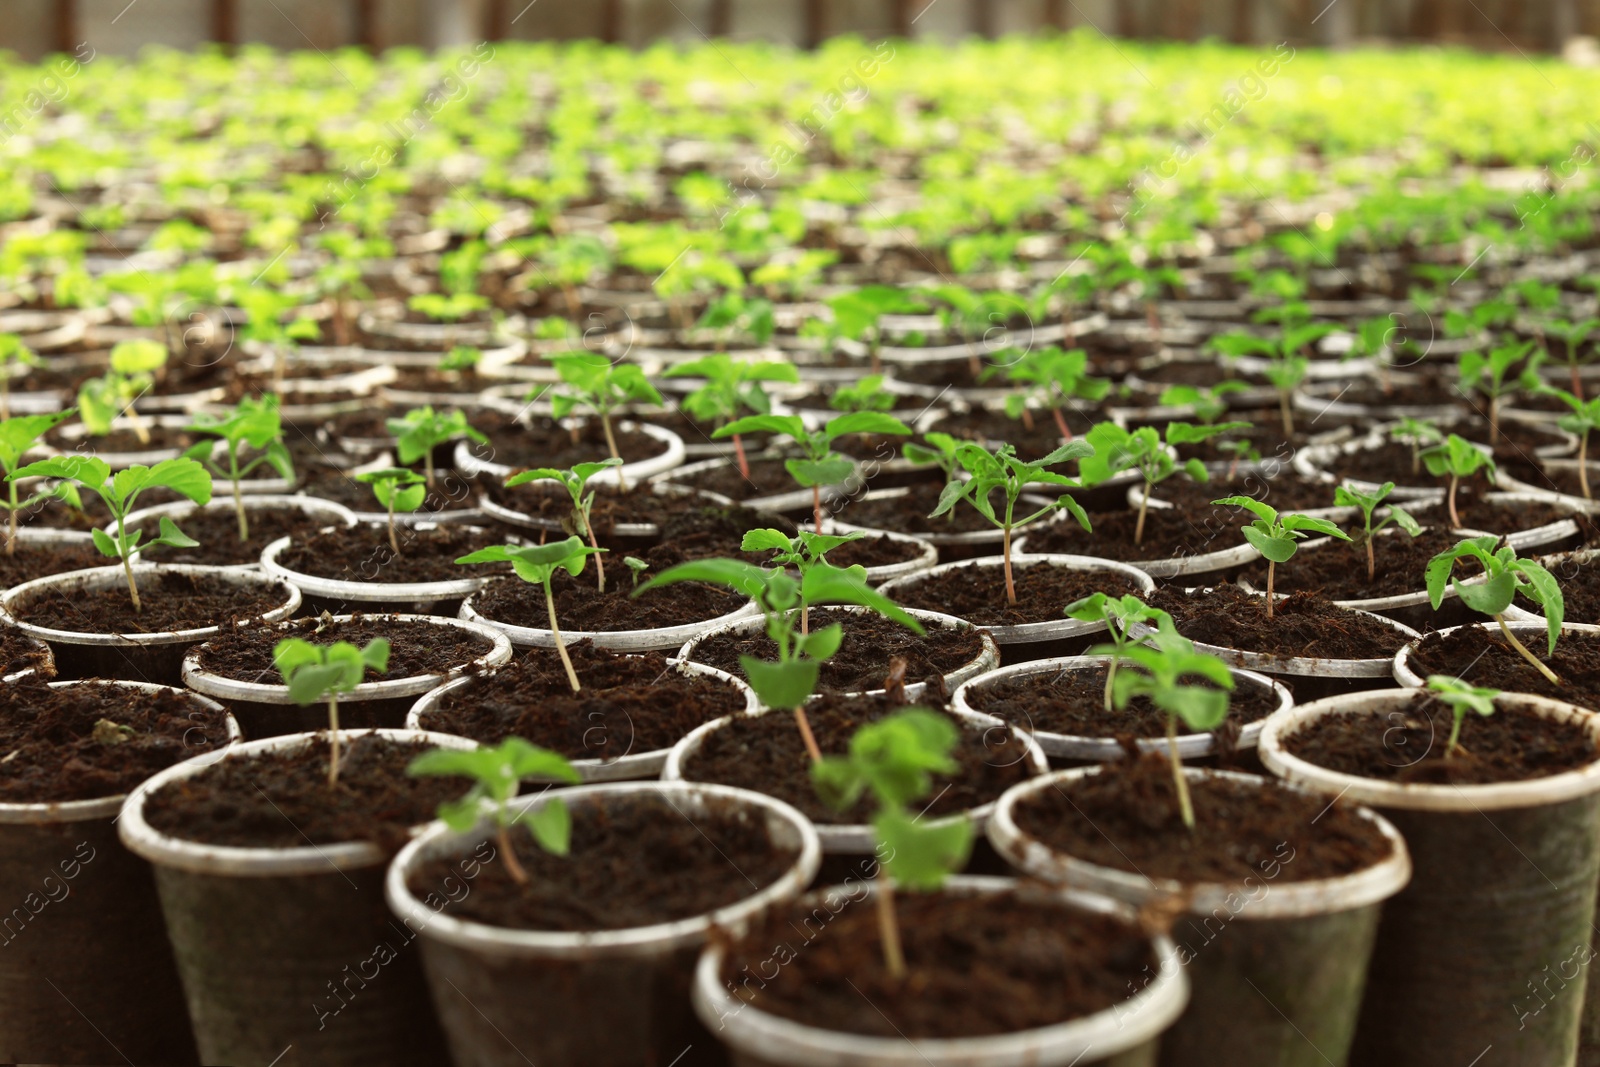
(371, 592)
(1408, 678)
(652, 640)
(638, 471)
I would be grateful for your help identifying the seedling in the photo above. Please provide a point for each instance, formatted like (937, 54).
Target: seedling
(1120, 614)
(1207, 403)
(594, 382)
(251, 422)
(857, 314)
(802, 552)
(940, 451)
(16, 437)
(1505, 577)
(322, 672)
(1459, 458)
(1274, 535)
(1153, 453)
(732, 386)
(735, 311)
(397, 489)
(895, 759)
(868, 394)
(821, 465)
(1053, 379)
(1419, 434)
(1003, 471)
(264, 310)
(14, 355)
(1583, 417)
(1487, 375)
(1573, 335)
(1461, 698)
(1346, 497)
(636, 567)
(1287, 366)
(496, 774)
(1242, 451)
(784, 601)
(575, 482)
(133, 366)
(423, 429)
(183, 476)
(539, 563)
(462, 359)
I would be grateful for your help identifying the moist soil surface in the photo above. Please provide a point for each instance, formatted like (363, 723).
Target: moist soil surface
(1411, 746)
(363, 554)
(1168, 532)
(545, 443)
(977, 967)
(1494, 516)
(1303, 625)
(715, 532)
(126, 440)
(452, 490)
(1338, 570)
(283, 799)
(908, 513)
(581, 607)
(1389, 462)
(170, 602)
(217, 530)
(52, 753)
(18, 652)
(36, 561)
(1126, 817)
(1072, 702)
(765, 753)
(978, 594)
(629, 704)
(637, 861)
(1284, 491)
(547, 502)
(1483, 658)
(874, 550)
(415, 647)
(768, 477)
(1032, 444)
(862, 662)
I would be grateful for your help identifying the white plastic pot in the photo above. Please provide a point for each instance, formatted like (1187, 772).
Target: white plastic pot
(373, 592)
(1532, 632)
(657, 640)
(323, 510)
(632, 473)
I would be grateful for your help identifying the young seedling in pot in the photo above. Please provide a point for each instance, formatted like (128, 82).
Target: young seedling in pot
(461, 361)
(785, 602)
(868, 394)
(496, 774)
(1572, 335)
(16, 437)
(1459, 458)
(821, 465)
(592, 381)
(1286, 367)
(1275, 535)
(14, 357)
(636, 567)
(119, 493)
(1582, 418)
(1206, 403)
(397, 489)
(539, 563)
(1052, 379)
(1002, 470)
(1346, 497)
(575, 482)
(857, 315)
(1242, 450)
(1419, 434)
(940, 450)
(895, 759)
(801, 552)
(132, 373)
(1461, 698)
(1504, 577)
(423, 429)
(1487, 375)
(321, 672)
(1154, 454)
(1121, 615)
(732, 386)
(254, 423)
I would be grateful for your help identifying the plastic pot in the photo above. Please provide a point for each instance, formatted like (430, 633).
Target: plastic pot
(788, 500)
(265, 710)
(86, 975)
(274, 945)
(629, 766)
(1532, 631)
(633, 473)
(323, 510)
(346, 595)
(658, 640)
(1125, 1035)
(140, 657)
(1279, 982)
(641, 533)
(951, 546)
(927, 552)
(1474, 952)
(603, 999)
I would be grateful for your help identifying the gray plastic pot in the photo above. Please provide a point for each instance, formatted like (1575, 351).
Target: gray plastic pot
(658, 640)
(788, 500)
(1125, 1035)
(643, 532)
(288, 947)
(346, 595)
(322, 510)
(140, 657)
(265, 709)
(629, 766)
(951, 546)
(86, 974)
(1278, 983)
(1106, 749)
(1530, 629)
(616, 998)
(632, 473)
(1502, 897)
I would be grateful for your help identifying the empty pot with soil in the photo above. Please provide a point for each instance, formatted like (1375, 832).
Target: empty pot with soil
(1488, 944)
(589, 963)
(216, 526)
(271, 882)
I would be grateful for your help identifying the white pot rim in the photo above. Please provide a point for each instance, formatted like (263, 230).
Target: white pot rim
(638, 471)
(657, 640)
(1408, 678)
(374, 591)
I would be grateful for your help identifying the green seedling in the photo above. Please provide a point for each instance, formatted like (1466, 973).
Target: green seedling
(447, 307)
(1242, 451)
(397, 489)
(1120, 615)
(1419, 434)
(1052, 379)
(1504, 577)
(1287, 365)
(594, 382)
(868, 394)
(857, 314)
(1346, 497)
(1582, 418)
(539, 563)
(895, 759)
(423, 429)
(253, 423)
(1207, 403)
(119, 493)
(133, 368)
(321, 672)
(16, 437)
(575, 482)
(1572, 335)
(802, 552)
(1459, 458)
(496, 774)
(1487, 374)
(264, 310)
(732, 386)
(1275, 535)
(939, 451)
(636, 567)
(14, 356)
(1151, 452)
(735, 311)
(1461, 698)
(462, 359)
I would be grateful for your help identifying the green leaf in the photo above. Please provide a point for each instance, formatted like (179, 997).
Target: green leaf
(1276, 549)
(821, 644)
(1490, 597)
(90, 471)
(1546, 591)
(105, 544)
(765, 540)
(171, 536)
(871, 422)
(551, 826)
(463, 814)
(781, 685)
(1262, 511)
(922, 854)
(744, 578)
(813, 472)
(823, 584)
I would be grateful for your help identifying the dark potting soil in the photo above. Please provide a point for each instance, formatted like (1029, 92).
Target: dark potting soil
(908, 513)
(1338, 570)
(581, 607)
(363, 554)
(1483, 658)
(1304, 625)
(1580, 591)
(874, 550)
(452, 490)
(1500, 517)
(978, 594)
(862, 662)
(415, 647)
(19, 652)
(984, 425)
(1284, 491)
(217, 530)
(641, 504)
(1410, 745)
(629, 704)
(120, 440)
(170, 602)
(712, 532)
(52, 751)
(1168, 533)
(36, 561)
(695, 432)
(283, 799)
(372, 422)
(1073, 702)
(765, 753)
(977, 966)
(1126, 817)
(545, 443)
(1391, 462)
(635, 861)
(768, 477)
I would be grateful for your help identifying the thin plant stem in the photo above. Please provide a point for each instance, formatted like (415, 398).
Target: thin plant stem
(1061, 424)
(394, 542)
(1111, 676)
(1005, 548)
(555, 632)
(1522, 650)
(1287, 412)
(127, 568)
(599, 568)
(1185, 805)
(611, 443)
(11, 540)
(1583, 464)
(1455, 517)
(894, 957)
(816, 507)
(1144, 504)
(238, 497)
(513, 865)
(333, 738)
(1372, 563)
(806, 735)
(1455, 736)
(744, 461)
(1272, 574)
